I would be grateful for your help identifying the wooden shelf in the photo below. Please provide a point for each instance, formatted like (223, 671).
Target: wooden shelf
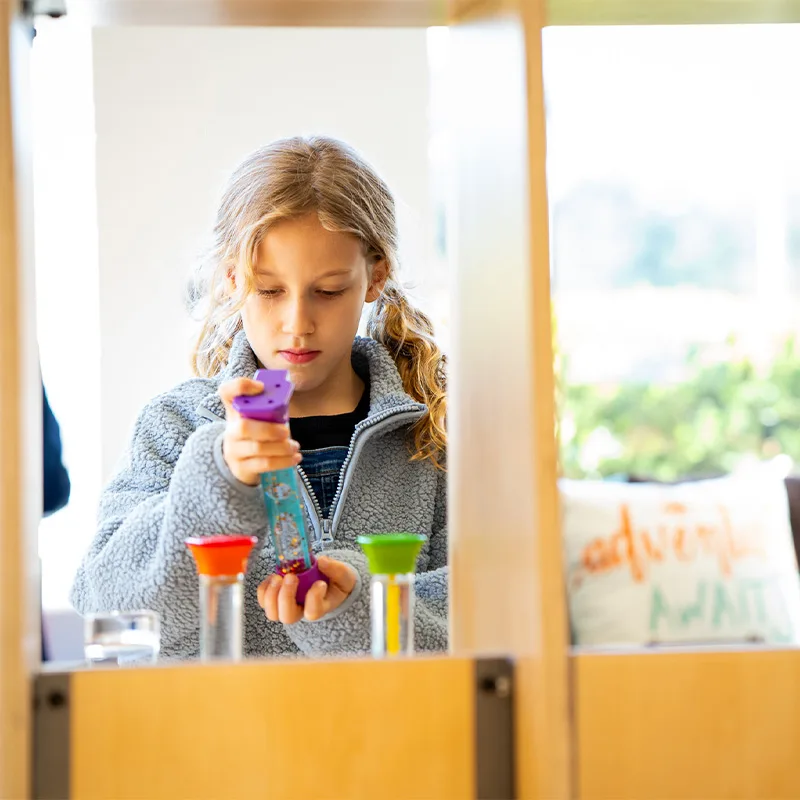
(670, 12)
(687, 725)
(275, 729)
(312, 13)
(423, 13)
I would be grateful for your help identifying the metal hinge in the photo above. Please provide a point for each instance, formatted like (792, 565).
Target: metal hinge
(51, 702)
(494, 729)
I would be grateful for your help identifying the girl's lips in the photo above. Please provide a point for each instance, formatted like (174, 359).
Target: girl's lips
(299, 356)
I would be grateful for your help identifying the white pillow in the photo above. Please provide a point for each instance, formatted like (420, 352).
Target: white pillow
(707, 561)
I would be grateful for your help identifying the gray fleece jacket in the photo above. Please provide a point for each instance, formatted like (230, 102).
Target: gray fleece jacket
(173, 483)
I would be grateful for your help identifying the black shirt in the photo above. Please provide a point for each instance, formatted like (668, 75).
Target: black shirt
(336, 430)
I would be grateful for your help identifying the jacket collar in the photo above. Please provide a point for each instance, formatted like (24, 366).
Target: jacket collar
(386, 387)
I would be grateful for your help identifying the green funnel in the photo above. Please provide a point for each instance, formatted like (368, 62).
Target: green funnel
(392, 553)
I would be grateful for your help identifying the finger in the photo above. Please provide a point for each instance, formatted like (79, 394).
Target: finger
(288, 610)
(270, 605)
(262, 591)
(340, 574)
(243, 428)
(258, 466)
(250, 448)
(316, 605)
(233, 388)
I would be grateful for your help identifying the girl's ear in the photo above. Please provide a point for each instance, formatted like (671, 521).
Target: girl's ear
(378, 276)
(230, 279)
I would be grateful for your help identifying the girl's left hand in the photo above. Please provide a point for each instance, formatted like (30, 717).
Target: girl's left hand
(276, 595)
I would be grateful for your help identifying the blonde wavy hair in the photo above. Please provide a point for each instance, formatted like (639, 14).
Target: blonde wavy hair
(289, 179)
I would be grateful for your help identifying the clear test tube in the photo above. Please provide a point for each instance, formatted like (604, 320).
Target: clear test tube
(287, 531)
(221, 563)
(392, 561)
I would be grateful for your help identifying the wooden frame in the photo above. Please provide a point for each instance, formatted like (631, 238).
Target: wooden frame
(317, 13)
(20, 411)
(671, 12)
(417, 13)
(641, 724)
(507, 586)
(541, 690)
(507, 579)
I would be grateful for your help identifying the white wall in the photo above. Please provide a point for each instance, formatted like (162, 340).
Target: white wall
(176, 109)
(68, 316)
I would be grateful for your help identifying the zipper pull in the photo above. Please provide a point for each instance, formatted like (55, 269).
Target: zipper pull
(327, 536)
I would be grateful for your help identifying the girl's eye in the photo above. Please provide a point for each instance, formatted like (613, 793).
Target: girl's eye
(269, 292)
(337, 293)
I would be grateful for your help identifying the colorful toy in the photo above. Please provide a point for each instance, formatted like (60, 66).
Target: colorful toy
(285, 515)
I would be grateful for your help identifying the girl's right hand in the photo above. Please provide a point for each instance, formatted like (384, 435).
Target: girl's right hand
(251, 447)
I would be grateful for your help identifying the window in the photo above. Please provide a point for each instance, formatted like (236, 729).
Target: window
(674, 183)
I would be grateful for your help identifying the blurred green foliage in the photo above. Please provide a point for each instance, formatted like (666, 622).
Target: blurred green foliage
(702, 426)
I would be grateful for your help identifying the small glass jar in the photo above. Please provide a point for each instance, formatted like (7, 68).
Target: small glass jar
(121, 638)
(392, 560)
(222, 563)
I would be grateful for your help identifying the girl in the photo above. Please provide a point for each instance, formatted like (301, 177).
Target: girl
(305, 235)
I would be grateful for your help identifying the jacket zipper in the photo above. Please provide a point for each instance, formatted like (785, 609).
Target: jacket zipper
(324, 527)
(316, 511)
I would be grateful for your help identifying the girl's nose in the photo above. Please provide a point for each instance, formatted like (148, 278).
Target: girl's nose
(297, 320)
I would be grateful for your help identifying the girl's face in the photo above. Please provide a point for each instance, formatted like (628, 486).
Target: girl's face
(310, 288)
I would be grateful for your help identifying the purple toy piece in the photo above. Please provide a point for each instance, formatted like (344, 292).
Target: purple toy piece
(306, 579)
(272, 405)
